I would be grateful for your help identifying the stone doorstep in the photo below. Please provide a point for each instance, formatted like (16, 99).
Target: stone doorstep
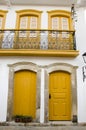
(42, 124)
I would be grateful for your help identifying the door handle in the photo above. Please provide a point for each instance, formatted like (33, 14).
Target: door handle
(49, 96)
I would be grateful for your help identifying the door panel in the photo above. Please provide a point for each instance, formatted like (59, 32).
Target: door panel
(60, 91)
(24, 102)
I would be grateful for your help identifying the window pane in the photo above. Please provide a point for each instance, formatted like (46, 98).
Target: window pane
(23, 25)
(55, 23)
(1, 18)
(23, 22)
(64, 23)
(65, 26)
(33, 25)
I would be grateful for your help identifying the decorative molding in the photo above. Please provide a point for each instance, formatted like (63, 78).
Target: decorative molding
(17, 67)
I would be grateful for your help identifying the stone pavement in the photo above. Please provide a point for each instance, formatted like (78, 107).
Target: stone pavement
(43, 128)
(17, 126)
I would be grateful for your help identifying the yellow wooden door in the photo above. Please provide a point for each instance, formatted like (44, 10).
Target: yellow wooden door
(24, 102)
(60, 96)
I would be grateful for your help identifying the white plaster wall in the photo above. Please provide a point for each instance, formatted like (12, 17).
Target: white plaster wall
(78, 61)
(4, 75)
(81, 46)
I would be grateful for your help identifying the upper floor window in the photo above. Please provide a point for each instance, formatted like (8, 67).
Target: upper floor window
(60, 23)
(59, 20)
(62, 35)
(2, 18)
(28, 22)
(28, 19)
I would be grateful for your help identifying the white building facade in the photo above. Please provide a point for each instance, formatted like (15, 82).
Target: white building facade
(45, 66)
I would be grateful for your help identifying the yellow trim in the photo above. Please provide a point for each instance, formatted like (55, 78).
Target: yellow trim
(54, 13)
(28, 12)
(36, 30)
(32, 52)
(3, 14)
(3, 11)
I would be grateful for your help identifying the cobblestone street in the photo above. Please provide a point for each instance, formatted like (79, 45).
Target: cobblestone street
(35, 126)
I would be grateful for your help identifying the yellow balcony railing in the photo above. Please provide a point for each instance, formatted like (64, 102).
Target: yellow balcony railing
(37, 39)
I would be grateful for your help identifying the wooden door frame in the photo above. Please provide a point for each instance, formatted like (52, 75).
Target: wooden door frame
(67, 68)
(17, 67)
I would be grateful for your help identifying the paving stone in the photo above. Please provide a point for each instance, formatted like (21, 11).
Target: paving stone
(43, 127)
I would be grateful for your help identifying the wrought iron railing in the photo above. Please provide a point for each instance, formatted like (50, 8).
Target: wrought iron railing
(37, 39)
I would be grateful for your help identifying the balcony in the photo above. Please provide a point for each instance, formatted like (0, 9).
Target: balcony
(38, 42)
